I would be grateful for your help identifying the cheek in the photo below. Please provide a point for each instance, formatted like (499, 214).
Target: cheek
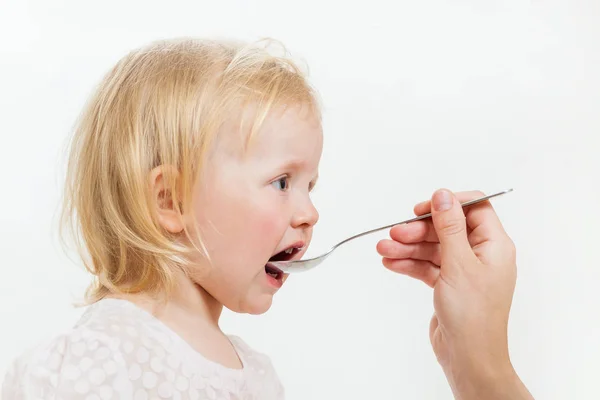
(265, 228)
(267, 224)
(256, 216)
(251, 224)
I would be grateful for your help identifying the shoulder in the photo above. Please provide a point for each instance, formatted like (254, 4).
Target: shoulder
(94, 357)
(261, 374)
(71, 363)
(253, 358)
(244, 349)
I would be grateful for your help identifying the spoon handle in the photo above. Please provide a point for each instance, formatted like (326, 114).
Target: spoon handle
(424, 216)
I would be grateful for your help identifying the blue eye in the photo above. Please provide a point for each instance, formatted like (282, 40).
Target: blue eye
(282, 183)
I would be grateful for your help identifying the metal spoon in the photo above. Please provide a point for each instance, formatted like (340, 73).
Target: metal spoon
(310, 263)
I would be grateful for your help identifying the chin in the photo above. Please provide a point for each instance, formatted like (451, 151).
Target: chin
(256, 306)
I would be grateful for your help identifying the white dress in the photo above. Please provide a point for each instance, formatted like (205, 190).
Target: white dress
(119, 351)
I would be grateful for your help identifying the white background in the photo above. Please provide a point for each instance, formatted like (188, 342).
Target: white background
(464, 94)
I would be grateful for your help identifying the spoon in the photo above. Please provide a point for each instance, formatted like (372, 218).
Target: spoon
(310, 263)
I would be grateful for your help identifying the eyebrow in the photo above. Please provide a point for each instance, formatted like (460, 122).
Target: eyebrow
(294, 164)
(298, 164)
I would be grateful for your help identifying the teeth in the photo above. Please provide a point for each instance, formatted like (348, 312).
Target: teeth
(289, 251)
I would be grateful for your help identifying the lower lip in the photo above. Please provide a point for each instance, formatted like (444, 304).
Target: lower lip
(276, 283)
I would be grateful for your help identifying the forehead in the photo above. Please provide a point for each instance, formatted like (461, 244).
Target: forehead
(293, 131)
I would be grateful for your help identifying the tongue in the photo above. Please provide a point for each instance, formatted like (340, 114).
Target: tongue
(271, 271)
(274, 272)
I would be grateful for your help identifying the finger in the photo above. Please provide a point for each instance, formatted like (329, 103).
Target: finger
(484, 222)
(417, 232)
(417, 251)
(433, 325)
(418, 269)
(414, 232)
(424, 207)
(480, 217)
(450, 224)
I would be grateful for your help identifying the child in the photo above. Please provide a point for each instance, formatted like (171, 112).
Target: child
(190, 169)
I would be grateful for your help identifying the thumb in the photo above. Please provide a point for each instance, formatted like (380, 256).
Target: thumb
(451, 228)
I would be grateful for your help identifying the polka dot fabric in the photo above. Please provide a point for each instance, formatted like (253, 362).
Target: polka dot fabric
(119, 351)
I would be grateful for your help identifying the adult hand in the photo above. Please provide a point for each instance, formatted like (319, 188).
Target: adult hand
(468, 259)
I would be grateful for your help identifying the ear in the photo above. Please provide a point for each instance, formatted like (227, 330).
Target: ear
(163, 181)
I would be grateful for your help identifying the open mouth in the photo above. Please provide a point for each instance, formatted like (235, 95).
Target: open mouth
(284, 255)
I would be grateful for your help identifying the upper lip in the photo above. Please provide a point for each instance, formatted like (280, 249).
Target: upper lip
(297, 245)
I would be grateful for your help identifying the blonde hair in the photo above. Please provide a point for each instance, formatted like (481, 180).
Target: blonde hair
(160, 105)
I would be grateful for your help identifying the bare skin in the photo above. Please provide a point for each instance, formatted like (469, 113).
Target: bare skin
(470, 262)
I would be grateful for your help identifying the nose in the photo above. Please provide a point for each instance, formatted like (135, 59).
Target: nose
(306, 215)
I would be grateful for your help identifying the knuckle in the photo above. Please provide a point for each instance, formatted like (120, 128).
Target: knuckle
(453, 226)
(511, 248)
(414, 252)
(386, 249)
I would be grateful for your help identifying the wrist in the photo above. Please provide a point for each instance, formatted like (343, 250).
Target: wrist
(489, 381)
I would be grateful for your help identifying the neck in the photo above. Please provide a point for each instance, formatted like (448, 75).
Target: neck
(189, 304)
(193, 301)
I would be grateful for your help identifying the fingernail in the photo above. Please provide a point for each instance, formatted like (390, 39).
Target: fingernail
(442, 200)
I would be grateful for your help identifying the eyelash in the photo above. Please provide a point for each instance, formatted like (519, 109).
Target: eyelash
(311, 186)
(286, 178)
